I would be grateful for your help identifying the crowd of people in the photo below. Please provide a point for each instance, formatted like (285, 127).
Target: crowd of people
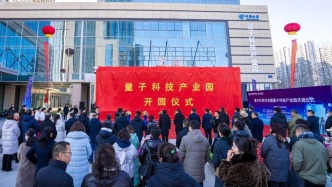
(56, 150)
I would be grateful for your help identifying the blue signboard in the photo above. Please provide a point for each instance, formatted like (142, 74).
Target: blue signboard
(249, 17)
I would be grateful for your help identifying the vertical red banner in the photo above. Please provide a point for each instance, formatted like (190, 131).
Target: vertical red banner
(47, 69)
(293, 62)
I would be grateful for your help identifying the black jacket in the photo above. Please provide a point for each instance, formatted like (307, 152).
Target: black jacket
(139, 127)
(54, 175)
(247, 121)
(121, 180)
(164, 124)
(151, 144)
(313, 124)
(85, 121)
(257, 128)
(65, 110)
(224, 118)
(94, 128)
(171, 174)
(328, 123)
(178, 122)
(240, 133)
(220, 149)
(43, 154)
(109, 123)
(69, 123)
(194, 116)
(105, 136)
(206, 121)
(215, 122)
(121, 123)
(280, 118)
(48, 122)
(29, 122)
(180, 135)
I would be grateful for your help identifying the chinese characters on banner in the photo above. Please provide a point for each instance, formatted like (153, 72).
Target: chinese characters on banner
(156, 88)
(168, 87)
(252, 48)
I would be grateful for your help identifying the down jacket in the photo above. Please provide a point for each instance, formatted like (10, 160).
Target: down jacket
(10, 133)
(194, 153)
(81, 150)
(275, 159)
(61, 131)
(126, 153)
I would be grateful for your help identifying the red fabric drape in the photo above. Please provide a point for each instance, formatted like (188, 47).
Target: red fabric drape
(132, 88)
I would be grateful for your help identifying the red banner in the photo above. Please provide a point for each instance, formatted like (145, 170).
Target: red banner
(153, 89)
(293, 62)
(46, 69)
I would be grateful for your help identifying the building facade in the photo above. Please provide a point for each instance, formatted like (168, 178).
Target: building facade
(140, 33)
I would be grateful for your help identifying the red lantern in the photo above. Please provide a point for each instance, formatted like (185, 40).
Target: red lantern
(48, 31)
(69, 51)
(292, 28)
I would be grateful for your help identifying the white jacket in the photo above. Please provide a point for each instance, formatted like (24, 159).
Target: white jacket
(61, 131)
(126, 158)
(10, 133)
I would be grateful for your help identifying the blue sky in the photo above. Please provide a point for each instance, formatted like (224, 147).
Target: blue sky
(314, 16)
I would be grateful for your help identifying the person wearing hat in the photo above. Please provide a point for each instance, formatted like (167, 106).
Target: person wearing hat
(257, 127)
(328, 123)
(279, 118)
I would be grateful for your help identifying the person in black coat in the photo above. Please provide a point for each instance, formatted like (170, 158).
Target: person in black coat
(313, 121)
(65, 112)
(194, 116)
(220, 147)
(170, 172)
(94, 128)
(109, 122)
(84, 119)
(178, 121)
(105, 135)
(70, 122)
(206, 123)
(236, 114)
(182, 133)
(42, 149)
(215, 121)
(106, 174)
(275, 151)
(55, 175)
(257, 127)
(48, 123)
(138, 125)
(328, 123)
(164, 125)
(223, 116)
(28, 122)
(279, 118)
(75, 110)
(121, 122)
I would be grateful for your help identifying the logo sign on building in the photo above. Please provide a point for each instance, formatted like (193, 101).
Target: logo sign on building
(252, 48)
(249, 17)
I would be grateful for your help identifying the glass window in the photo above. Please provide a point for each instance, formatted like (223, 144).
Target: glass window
(146, 25)
(170, 26)
(154, 26)
(138, 25)
(162, 26)
(177, 26)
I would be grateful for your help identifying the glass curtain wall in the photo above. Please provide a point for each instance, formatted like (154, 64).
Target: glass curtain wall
(77, 47)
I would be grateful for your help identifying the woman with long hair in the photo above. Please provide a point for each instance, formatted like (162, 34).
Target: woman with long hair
(275, 151)
(41, 152)
(26, 169)
(81, 150)
(170, 172)
(220, 147)
(60, 128)
(106, 170)
(241, 167)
